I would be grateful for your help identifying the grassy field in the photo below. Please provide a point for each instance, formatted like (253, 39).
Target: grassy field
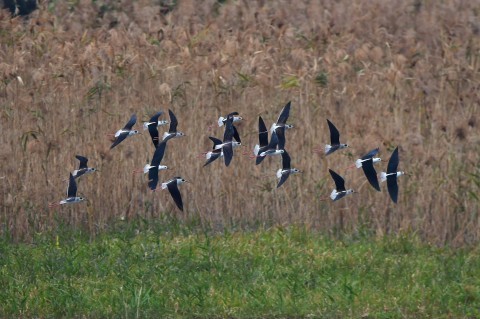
(144, 271)
(387, 72)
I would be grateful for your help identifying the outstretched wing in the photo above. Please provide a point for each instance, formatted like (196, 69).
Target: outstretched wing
(392, 187)
(228, 153)
(154, 118)
(232, 114)
(173, 122)
(273, 141)
(283, 179)
(370, 154)
(177, 197)
(119, 139)
(158, 155)
(72, 187)
(212, 158)
(370, 173)
(262, 132)
(131, 122)
(393, 162)
(228, 135)
(83, 161)
(153, 178)
(236, 136)
(285, 160)
(215, 141)
(280, 132)
(339, 181)
(259, 159)
(334, 133)
(284, 114)
(152, 128)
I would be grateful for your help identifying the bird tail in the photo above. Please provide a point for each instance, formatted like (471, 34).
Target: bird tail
(145, 125)
(333, 195)
(220, 121)
(273, 128)
(358, 163)
(256, 149)
(328, 147)
(279, 173)
(164, 185)
(146, 168)
(383, 176)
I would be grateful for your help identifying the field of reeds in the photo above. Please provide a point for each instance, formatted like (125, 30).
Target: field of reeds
(387, 73)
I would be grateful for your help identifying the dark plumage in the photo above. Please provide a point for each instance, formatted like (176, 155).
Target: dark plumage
(125, 132)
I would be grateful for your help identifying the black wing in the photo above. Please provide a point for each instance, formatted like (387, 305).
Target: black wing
(283, 117)
(212, 158)
(392, 187)
(280, 132)
(283, 179)
(228, 153)
(177, 197)
(393, 162)
(228, 135)
(262, 132)
(236, 136)
(339, 181)
(370, 154)
(154, 119)
(152, 128)
(340, 196)
(83, 161)
(119, 139)
(80, 173)
(232, 114)
(158, 155)
(273, 141)
(173, 122)
(334, 134)
(215, 141)
(285, 160)
(153, 178)
(370, 173)
(72, 187)
(259, 159)
(131, 122)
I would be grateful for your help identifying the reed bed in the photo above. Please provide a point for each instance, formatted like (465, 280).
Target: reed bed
(387, 73)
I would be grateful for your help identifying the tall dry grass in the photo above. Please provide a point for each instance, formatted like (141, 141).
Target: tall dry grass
(387, 73)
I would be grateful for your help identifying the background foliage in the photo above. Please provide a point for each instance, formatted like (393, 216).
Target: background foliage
(387, 73)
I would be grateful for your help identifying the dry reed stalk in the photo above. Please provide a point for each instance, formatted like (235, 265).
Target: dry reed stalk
(386, 72)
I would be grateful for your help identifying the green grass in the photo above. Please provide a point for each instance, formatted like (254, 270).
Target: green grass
(278, 272)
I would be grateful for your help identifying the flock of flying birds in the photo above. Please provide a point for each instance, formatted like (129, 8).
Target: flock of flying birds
(225, 148)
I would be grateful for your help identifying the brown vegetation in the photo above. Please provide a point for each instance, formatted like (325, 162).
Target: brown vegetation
(387, 73)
